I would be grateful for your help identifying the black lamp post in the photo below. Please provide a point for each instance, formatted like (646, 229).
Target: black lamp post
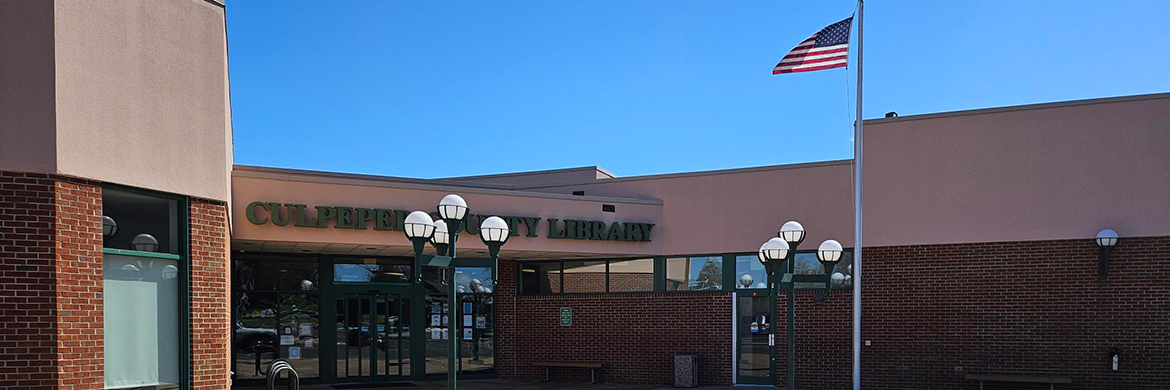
(443, 234)
(783, 248)
(1106, 240)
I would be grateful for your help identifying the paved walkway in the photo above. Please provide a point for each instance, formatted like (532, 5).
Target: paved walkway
(499, 384)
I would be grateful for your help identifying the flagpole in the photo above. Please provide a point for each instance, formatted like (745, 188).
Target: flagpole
(857, 149)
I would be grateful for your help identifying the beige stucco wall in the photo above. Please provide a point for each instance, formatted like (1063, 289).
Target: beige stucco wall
(1056, 171)
(332, 190)
(738, 210)
(27, 141)
(141, 94)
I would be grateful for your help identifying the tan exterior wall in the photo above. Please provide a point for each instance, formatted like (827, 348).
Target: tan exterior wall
(27, 141)
(1053, 171)
(737, 210)
(270, 185)
(141, 94)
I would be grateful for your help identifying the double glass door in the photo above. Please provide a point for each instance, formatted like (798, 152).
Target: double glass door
(755, 331)
(373, 337)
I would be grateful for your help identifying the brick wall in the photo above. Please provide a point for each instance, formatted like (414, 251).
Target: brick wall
(28, 301)
(51, 312)
(210, 299)
(937, 312)
(78, 255)
(932, 312)
(635, 335)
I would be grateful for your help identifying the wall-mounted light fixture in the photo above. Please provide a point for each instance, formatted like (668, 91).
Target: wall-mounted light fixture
(1106, 240)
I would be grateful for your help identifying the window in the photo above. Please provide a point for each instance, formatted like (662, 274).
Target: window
(372, 270)
(276, 313)
(474, 280)
(750, 266)
(142, 265)
(694, 273)
(631, 275)
(540, 278)
(584, 276)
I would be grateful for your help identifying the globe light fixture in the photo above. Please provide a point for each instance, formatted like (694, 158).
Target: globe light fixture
(453, 207)
(792, 232)
(746, 281)
(145, 243)
(829, 254)
(494, 232)
(1106, 240)
(441, 239)
(170, 272)
(109, 226)
(419, 225)
(773, 251)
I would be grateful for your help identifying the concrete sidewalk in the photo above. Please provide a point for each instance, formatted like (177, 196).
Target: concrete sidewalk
(492, 384)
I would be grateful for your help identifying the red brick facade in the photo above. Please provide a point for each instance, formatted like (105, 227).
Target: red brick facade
(210, 296)
(51, 285)
(933, 314)
(937, 312)
(635, 335)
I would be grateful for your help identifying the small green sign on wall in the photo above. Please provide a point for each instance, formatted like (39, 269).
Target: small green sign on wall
(566, 316)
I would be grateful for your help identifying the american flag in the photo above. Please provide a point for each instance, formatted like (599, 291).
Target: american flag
(827, 49)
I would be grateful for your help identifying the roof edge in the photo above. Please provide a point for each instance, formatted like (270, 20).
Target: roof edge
(530, 173)
(1022, 107)
(730, 171)
(286, 174)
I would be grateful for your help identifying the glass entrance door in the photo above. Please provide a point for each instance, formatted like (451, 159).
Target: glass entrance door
(753, 327)
(373, 337)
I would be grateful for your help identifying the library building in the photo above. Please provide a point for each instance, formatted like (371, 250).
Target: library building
(1029, 241)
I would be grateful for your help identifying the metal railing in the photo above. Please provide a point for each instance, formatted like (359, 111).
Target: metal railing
(274, 370)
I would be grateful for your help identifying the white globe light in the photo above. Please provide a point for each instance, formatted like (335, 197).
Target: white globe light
(306, 285)
(453, 207)
(109, 227)
(792, 232)
(775, 249)
(494, 230)
(441, 236)
(830, 251)
(838, 277)
(746, 280)
(419, 225)
(1107, 238)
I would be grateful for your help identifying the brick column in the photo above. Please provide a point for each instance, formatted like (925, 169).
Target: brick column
(78, 256)
(210, 300)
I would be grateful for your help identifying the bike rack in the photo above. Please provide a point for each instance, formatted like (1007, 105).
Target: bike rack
(274, 369)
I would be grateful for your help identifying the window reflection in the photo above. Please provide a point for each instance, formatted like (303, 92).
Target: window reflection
(372, 270)
(631, 275)
(584, 276)
(694, 273)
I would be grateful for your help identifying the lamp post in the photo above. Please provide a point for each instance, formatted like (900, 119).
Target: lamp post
(443, 235)
(783, 248)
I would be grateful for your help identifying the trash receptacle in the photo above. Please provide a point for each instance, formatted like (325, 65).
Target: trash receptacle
(686, 370)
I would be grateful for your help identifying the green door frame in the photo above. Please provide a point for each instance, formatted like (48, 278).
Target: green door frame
(400, 293)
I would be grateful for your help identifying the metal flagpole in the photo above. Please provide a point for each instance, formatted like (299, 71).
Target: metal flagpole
(857, 148)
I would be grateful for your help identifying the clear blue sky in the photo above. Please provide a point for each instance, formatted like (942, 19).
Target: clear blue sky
(642, 87)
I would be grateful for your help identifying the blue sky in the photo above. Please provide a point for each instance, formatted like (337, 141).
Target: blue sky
(435, 89)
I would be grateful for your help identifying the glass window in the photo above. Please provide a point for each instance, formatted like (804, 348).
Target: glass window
(584, 276)
(254, 333)
(267, 273)
(694, 273)
(299, 332)
(477, 333)
(133, 221)
(749, 269)
(540, 277)
(473, 280)
(372, 270)
(141, 321)
(631, 275)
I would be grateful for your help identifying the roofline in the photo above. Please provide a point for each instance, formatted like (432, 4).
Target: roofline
(309, 176)
(1023, 107)
(530, 173)
(730, 171)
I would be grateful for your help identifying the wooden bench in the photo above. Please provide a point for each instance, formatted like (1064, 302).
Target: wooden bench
(1049, 379)
(592, 366)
